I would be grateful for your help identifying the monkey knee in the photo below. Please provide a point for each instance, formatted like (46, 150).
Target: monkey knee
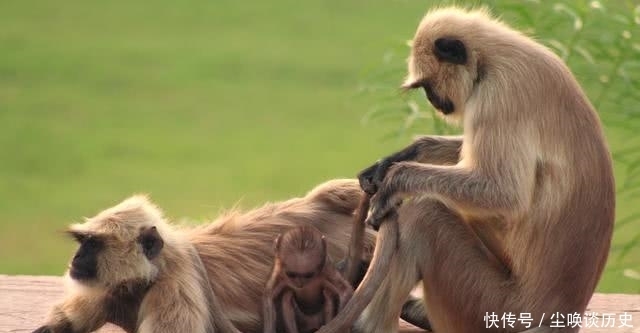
(371, 322)
(421, 211)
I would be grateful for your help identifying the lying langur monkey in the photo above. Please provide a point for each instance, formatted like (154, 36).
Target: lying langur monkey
(516, 215)
(145, 275)
(304, 285)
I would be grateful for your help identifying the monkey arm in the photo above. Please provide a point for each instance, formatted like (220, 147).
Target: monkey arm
(438, 150)
(339, 286)
(289, 312)
(165, 309)
(76, 314)
(471, 190)
(269, 315)
(328, 307)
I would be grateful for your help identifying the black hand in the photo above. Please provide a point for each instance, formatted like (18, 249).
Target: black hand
(371, 178)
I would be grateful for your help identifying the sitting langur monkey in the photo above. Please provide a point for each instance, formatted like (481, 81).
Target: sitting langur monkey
(137, 271)
(304, 283)
(516, 215)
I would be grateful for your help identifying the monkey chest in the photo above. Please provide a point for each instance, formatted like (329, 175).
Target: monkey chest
(310, 316)
(308, 323)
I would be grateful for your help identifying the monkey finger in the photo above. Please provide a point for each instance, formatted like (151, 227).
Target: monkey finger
(377, 216)
(366, 179)
(383, 206)
(381, 172)
(374, 222)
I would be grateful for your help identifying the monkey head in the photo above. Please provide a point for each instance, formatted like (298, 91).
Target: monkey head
(445, 58)
(122, 243)
(302, 252)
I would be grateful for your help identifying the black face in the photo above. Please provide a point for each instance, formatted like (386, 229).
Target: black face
(449, 50)
(84, 265)
(442, 104)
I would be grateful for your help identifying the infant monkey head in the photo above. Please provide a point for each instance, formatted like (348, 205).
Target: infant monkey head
(303, 254)
(120, 244)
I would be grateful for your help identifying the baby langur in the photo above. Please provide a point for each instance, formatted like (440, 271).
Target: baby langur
(304, 283)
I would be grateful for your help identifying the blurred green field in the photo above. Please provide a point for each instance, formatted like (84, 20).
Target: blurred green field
(201, 104)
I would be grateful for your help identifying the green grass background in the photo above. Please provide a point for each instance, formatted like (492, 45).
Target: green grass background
(205, 105)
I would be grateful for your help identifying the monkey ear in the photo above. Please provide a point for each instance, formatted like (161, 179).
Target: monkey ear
(151, 242)
(450, 50)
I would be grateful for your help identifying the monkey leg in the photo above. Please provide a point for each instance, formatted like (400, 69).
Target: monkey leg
(462, 282)
(415, 313)
(381, 315)
(289, 309)
(413, 310)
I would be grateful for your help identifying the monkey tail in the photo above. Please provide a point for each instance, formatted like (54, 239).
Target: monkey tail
(356, 247)
(384, 253)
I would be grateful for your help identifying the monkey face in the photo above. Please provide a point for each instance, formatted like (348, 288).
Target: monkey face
(84, 265)
(119, 244)
(444, 62)
(301, 269)
(101, 258)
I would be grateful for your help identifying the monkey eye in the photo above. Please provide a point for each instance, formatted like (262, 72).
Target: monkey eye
(78, 237)
(92, 242)
(450, 50)
(83, 238)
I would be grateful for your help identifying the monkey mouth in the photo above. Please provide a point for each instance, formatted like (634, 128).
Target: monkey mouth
(81, 274)
(444, 105)
(297, 285)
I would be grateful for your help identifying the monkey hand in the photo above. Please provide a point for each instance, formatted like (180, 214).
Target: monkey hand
(383, 205)
(371, 178)
(388, 197)
(43, 329)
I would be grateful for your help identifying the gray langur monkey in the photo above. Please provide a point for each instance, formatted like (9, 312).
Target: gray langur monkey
(134, 269)
(514, 216)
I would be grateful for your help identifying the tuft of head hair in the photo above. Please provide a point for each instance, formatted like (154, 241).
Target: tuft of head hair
(302, 239)
(125, 219)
